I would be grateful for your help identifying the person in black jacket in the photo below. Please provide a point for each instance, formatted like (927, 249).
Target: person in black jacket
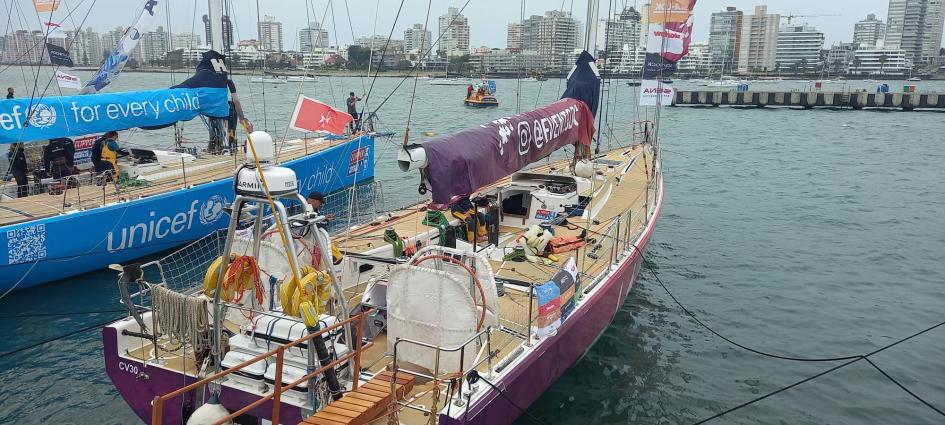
(17, 157)
(59, 158)
(9, 92)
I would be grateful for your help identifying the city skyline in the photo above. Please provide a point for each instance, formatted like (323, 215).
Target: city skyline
(485, 28)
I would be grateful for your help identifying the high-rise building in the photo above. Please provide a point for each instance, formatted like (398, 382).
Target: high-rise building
(20, 47)
(916, 27)
(313, 37)
(799, 47)
(454, 33)
(513, 38)
(725, 35)
(758, 46)
(269, 34)
(185, 40)
(154, 45)
(869, 31)
(417, 41)
(644, 22)
(227, 31)
(111, 38)
(839, 57)
(85, 47)
(551, 35)
(622, 29)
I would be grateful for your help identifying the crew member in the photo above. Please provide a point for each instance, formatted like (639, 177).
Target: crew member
(469, 91)
(352, 102)
(59, 158)
(317, 201)
(9, 92)
(105, 154)
(17, 157)
(231, 123)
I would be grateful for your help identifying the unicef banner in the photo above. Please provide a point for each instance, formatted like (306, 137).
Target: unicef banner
(26, 120)
(57, 247)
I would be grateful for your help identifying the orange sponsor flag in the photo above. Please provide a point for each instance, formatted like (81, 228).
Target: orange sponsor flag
(46, 5)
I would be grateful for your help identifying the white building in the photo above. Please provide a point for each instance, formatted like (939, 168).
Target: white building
(504, 61)
(725, 31)
(317, 57)
(759, 41)
(799, 48)
(85, 47)
(513, 37)
(453, 33)
(417, 41)
(881, 61)
(185, 40)
(269, 34)
(697, 61)
(154, 45)
(553, 35)
(839, 58)
(916, 27)
(869, 31)
(312, 38)
(615, 32)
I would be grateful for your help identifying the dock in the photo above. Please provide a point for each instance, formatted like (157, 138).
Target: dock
(811, 99)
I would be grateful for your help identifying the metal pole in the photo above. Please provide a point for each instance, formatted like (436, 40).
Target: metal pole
(227, 247)
(277, 385)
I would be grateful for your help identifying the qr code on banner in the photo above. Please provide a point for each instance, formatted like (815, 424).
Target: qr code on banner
(26, 244)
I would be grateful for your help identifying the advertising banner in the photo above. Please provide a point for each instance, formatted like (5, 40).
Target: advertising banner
(122, 51)
(67, 116)
(68, 81)
(655, 93)
(46, 5)
(58, 55)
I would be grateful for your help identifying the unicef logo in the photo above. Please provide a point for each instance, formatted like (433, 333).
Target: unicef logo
(212, 209)
(43, 116)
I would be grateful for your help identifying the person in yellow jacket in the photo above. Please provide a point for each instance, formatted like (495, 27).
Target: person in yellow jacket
(105, 153)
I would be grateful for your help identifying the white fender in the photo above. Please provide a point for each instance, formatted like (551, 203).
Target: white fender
(209, 413)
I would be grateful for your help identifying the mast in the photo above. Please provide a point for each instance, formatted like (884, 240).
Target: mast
(590, 34)
(215, 8)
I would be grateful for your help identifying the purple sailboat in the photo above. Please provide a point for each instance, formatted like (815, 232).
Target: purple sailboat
(459, 310)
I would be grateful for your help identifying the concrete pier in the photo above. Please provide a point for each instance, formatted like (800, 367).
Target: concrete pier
(811, 99)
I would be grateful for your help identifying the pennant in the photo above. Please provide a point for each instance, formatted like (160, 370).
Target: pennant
(58, 55)
(54, 30)
(313, 116)
(119, 55)
(68, 81)
(46, 5)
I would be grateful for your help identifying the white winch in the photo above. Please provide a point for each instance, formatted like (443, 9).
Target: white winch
(280, 180)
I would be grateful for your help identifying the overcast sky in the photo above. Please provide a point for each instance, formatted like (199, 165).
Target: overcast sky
(487, 18)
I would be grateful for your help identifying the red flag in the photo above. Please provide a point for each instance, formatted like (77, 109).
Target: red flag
(311, 115)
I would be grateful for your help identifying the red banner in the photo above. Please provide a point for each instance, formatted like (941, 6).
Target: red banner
(313, 116)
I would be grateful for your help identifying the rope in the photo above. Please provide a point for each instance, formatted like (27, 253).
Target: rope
(182, 318)
(413, 94)
(77, 331)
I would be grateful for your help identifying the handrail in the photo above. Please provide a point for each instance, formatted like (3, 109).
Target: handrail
(157, 410)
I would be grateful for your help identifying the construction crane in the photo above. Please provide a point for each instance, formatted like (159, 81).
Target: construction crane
(791, 16)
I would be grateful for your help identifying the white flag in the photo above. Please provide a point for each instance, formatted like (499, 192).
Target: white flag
(67, 81)
(54, 30)
(655, 93)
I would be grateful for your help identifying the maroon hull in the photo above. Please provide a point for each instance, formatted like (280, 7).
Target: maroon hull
(527, 381)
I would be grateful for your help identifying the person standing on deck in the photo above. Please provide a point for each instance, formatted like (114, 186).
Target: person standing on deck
(105, 154)
(17, 158)
(9, 92)
(469, 91)
(353, 111)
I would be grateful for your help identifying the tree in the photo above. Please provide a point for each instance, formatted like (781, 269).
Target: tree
(457, 64)
(403, 64)
(882, 63)
(856, 64)
(358, 57)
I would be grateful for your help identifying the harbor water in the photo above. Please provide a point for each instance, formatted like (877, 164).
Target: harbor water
(804, 233)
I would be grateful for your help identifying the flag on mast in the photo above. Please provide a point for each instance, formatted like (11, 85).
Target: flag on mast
(46, 5)
(122, 51)
(668, 37)
(54, 30)
(313, 116)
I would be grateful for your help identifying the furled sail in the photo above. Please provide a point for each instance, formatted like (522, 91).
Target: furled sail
(461, 163)
(26, 120)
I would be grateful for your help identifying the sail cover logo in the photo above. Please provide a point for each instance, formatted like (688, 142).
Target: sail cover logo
(212, 209)
(42, 116)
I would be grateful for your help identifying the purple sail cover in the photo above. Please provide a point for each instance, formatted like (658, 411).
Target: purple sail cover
(461, 163)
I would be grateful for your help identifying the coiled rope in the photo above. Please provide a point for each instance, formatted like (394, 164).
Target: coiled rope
(183, 319)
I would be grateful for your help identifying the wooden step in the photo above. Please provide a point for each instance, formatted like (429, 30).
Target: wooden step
(365, 404)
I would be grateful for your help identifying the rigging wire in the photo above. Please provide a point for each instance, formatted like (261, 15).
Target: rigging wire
(413, 94)
(383, 54)
(66, 335)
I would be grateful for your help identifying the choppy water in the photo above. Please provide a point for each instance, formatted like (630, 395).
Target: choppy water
(806, 233)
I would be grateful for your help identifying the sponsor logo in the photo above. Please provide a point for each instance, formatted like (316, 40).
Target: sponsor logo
(358, 156)
(667, 34)
(657, 90)
(536, 132)
(545, 215)
(42, 116)
(153, 229)
(212, 209)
